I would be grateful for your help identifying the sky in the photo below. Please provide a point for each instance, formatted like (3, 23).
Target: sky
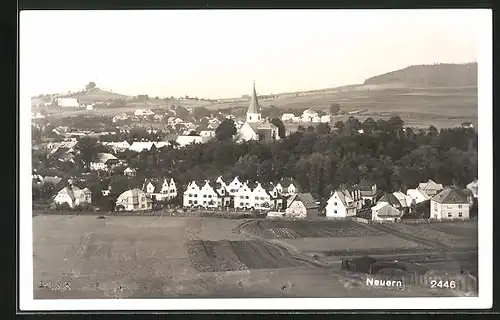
(218, 53)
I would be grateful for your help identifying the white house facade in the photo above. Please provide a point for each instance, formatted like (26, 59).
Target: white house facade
(450, 204)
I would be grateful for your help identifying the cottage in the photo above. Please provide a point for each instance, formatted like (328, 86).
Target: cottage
(385, 212)
(430, 187)
(451, 203)
(200, 194)
(301, 205)
(368, 192)
(391, 199)
(73, 196)
(134, 200)
(104, 161)
(343, 203)
(160, 189)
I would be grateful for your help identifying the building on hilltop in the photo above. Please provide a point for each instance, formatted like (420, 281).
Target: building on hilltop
(255, 127)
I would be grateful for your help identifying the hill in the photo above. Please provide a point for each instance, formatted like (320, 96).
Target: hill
(437, 75)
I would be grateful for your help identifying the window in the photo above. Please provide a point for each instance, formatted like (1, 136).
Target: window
(196, 196)
(143, 199)
(460, 214)
(256, 198)
(242, 197)
(335, 203)
(459, 206)
(190, 195)
(204, 196)
(190, 202)
(449, 215)
(262, 198)
(195, 201)
(204, 202)
(247, 204)
(143, 206)
(241, 204)
(247, 197)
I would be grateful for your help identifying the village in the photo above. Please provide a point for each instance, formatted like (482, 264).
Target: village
(284, 198)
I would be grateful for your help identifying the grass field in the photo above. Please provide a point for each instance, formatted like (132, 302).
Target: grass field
(158, 257)
(419, 107)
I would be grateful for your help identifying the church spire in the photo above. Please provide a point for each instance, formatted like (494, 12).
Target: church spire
(253, 112)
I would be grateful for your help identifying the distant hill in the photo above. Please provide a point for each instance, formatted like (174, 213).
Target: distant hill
(438, 75)
(95, 96)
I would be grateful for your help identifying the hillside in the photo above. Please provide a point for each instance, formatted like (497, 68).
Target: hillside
(438, 75)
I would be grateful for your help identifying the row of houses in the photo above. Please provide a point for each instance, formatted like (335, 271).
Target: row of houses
(308, 116)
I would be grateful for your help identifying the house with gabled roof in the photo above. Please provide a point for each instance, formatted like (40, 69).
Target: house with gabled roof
(343, 203)
(160, 189)
(385, 212)
(302, 205)
(288, 186)
(450, 203)
(368, 191)
(406, 201)
(430, 187)
(104, 161)
(134, 200)
(417, 195)
(129, 172)
(73, 196)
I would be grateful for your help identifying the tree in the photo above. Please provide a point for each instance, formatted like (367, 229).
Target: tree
(323, 128)
(334, 108)
(89, 148)
(90, 86)
(281, 127)
(226, 130)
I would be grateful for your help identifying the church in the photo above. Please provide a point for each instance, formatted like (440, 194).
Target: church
(256, 128)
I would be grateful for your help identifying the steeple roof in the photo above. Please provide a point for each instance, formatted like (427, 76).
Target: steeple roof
(253, 107)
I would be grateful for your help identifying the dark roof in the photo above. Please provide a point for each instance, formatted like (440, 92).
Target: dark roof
(306, 198)
(390, 199)
(286, 182)
(365, 185)
(253, 107)
(451, 195)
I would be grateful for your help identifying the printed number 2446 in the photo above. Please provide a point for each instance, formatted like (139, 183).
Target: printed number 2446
(439, 284)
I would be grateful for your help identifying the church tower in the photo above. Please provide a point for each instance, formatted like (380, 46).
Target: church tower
(253, 112)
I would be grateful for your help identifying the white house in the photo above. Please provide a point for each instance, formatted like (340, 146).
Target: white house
(104, 161)
(417, 195)
(73, 196)
(451, 203)
(129, 172)
(287, 117)
(200, 194)
(316, 119)
(405, 200)
(343, 203)
(384, 212)
(184, 141)
(68, 102)
(160, 189)
(233, 186)
(243, 197)
(134, 200)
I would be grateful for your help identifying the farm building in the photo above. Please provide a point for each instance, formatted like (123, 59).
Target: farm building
(134, 200)
(385, 212)
(451, 203)
(73, 196)
(301, 205)
(368, 191)
(287, 187)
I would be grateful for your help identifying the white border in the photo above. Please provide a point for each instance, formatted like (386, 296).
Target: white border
(485, 225)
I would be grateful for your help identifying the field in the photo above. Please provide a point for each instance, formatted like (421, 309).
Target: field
(419, 107)
(163, 257)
